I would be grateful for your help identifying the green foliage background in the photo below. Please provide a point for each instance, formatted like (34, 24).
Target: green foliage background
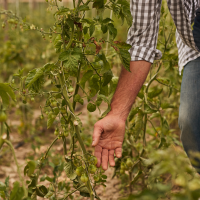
(153, 159)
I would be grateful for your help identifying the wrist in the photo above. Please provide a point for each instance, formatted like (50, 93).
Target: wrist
(122, 116)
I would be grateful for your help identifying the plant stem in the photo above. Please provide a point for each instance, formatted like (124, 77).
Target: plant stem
(71, 39)
(65, 95)
(64, 145)
(74, 191)
(50, 147)
(1, 132)
(18, 167)
(77, 85)
(145, 126)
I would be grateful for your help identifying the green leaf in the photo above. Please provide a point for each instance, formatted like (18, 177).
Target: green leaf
(86, 77)
(92, 29)
(102, 97)
(57, 43)
(99, 4)
(104, 28)
(2, 186)
(62, 11)
(104, 176)
(112, 30)
(49, 194)
(17, 192)
(106, 20)
(41, 190)
(70, 59)
(165, 126)
(107, 76)
(30, 167)
(125, 58)
(5, 92)
(155, 92)
(94, 82)
(148, 110)
(51, 119)
(78, 98)
(37, 75)
(138, 124)
(85, 30)
(166, 105)
(133, 113)
(70, 22)
(83, 7)
(104, 90)
(84, 194)
(106, 65)
(70, 171)
(163, 142)
(35, 79)
(4, 97)
(154, 115)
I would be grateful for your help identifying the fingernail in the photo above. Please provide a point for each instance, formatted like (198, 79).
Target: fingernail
(93, 143)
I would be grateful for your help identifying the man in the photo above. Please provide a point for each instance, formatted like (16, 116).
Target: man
(109, 132)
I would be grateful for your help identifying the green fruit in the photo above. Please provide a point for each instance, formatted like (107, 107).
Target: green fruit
(53, 116)
(91, 107)
(63, 111)
(54, 104)
(92, 169)
(123, 166)
(96, 177)
(66, 134)
(93, 160)
(41, 117)
(122, 171)
(71, 89)
(3, 25)
(13, 81)
(3, 117)
(56, 132)
(129, 163)
(79, 171)
(84, 178)
(32, 99)
(50, 36)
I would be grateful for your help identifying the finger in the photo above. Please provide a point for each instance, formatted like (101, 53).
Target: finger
(118, 152)
(96, 134)
(104, 159)
(97, 153)
(111, 158)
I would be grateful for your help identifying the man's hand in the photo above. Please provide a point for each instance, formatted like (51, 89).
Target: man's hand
(108, 137)
(109, 132)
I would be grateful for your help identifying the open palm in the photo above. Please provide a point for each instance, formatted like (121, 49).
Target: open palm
(108, 137)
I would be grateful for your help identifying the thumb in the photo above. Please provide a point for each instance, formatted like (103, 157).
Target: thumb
(96, 134)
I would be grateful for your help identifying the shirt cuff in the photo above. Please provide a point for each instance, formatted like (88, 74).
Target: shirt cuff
(144, 53)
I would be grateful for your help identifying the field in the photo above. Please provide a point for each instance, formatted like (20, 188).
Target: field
(60, 65)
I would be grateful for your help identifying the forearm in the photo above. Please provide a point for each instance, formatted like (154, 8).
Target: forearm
(128, 88)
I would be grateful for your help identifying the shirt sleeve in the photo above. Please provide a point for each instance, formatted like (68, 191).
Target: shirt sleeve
(143, 33)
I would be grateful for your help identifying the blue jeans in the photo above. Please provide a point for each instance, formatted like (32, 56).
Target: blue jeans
(189, 111)
(196, 29)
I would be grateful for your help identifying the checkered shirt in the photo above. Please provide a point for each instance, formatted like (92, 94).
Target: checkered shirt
(143, 33)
